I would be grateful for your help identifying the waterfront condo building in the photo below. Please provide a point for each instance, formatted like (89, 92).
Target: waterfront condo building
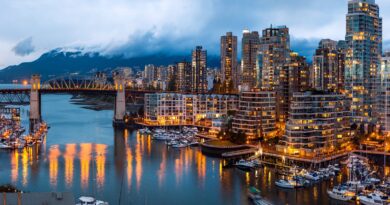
(249, 66)
(364, 40)
(328, 67)
(318, 123)
(199, 70)
(187, 109)
(229, 62)
(256, 114)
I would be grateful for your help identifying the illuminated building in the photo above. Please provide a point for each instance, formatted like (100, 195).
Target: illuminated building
(298, 74)
(364, 40)
(274, 53)
(186, 109)
(293, 77)
(256, 114)
(150, 73)
(199, 70)
(274, 48)
(249, 67)
(318, 122)
(229, 62)
(384, 94)
(183, 76)
(328, 68)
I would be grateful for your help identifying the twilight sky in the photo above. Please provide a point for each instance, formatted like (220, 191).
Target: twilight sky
(29, 28)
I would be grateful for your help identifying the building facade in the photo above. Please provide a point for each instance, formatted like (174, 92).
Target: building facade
(318, 123)
(273, 55)
(199, 70)
(256, 114)
(364, 40)
(328, 67)
(249, 64)
(186, 109)
(184, 76)
(229, 62)
(274, 49)
(384, 94)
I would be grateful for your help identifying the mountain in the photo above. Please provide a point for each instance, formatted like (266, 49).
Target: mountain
(59, 62)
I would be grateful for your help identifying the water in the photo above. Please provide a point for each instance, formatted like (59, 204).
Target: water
(85, 155)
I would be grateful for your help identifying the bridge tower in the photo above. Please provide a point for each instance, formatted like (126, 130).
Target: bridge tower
(35, 101)
(120, 101)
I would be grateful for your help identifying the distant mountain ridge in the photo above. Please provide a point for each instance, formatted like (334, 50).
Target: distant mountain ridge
(59, 62)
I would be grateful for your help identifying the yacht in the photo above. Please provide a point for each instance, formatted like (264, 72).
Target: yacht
(374, 198)
(4, 146)
(311, 176)
(341, 193)
(87, 200)
(244, 165)
(288, 184)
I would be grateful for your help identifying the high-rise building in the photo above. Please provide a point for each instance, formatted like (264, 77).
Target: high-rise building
(328, 68)
(318, 123)
(384, 94)
(274, 49)
(298, 74)
(249, 65)
(229, 62)
(364, 40)
(150, 72)
(184, 76)
(199, 70)
(172, 78)
(256, 114)
(273, 54)
(293, 77)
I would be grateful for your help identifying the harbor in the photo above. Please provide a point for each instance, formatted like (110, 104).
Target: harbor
(362, 180)
(12, 133)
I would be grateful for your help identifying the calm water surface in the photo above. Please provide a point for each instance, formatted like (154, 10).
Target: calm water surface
(84, 154)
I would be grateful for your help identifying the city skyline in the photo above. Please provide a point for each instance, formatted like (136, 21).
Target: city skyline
(28, 36)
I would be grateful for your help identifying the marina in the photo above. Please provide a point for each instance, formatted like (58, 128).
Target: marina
(12, 134)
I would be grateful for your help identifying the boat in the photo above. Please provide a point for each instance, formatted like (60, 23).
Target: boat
(374, 180)
(256, 198)
(311, 176)
(288, 184)
(341, 193)
(257, 163)
(374, 198)
(244, 165)
(87, 200)
(4, 146)
(355, 186)
(179, 145)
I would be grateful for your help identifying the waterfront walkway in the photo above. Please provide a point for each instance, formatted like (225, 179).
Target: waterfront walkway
(255, 152)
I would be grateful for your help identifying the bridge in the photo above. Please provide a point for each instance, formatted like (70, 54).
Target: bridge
(97, 85)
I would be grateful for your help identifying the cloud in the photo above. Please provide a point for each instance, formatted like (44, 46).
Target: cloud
(24, 47)
(135, 27)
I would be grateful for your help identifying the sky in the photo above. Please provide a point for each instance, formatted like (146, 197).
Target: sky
(29, 28)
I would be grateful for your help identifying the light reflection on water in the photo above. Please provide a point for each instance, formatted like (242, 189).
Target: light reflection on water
(122, 166)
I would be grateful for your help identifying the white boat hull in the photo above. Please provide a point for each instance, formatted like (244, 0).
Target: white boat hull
(339, 197)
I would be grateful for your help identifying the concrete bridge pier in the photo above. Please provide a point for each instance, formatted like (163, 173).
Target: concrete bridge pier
(35, 102)
(120, 101)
